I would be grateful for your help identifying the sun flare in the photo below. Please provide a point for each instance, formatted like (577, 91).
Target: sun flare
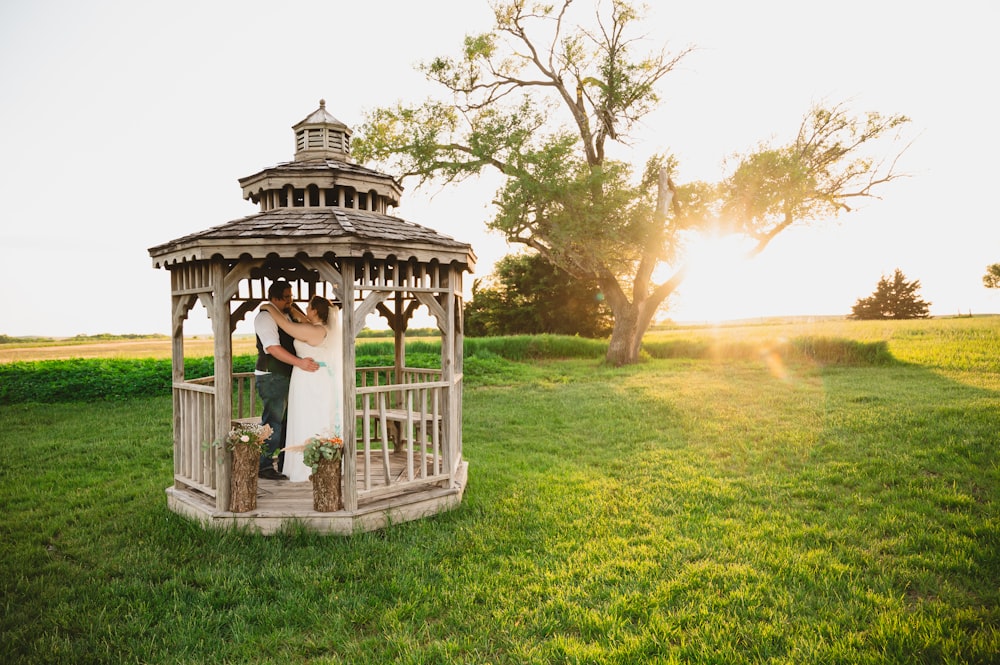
(716, 266)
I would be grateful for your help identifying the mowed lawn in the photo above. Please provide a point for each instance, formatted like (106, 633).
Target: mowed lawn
(685, 510)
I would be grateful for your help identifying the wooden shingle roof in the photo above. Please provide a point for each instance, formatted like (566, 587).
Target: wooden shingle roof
(316, 231)
(320, 166)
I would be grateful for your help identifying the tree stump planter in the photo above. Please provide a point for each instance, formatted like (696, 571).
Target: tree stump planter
(243, 481)
(326, 486)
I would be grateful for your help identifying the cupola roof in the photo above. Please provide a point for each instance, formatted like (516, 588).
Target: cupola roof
(321, 136)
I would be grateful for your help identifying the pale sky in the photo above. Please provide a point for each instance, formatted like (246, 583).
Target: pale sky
(127, 124)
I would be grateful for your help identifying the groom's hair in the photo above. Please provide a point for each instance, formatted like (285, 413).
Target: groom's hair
(277, 289)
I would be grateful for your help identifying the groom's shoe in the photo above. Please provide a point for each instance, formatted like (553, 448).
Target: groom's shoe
(271, 474)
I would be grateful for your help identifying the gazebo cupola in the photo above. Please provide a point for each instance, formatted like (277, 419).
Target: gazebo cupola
(323, 174)
(324, 226)
(321, 136)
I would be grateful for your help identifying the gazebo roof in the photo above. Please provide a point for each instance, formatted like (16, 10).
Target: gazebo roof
(321, 165)
(316, 231)
(321, 203)
(321, 117)
(322, 169)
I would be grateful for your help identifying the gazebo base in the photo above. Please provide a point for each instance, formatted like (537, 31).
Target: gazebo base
(281, 502)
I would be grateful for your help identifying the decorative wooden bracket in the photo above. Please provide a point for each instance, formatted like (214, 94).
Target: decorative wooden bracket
(366, 307)
(397, 322)
(435, 308)
(326, 272)
(184, 305)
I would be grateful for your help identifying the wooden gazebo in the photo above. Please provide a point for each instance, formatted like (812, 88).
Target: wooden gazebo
(324, 227)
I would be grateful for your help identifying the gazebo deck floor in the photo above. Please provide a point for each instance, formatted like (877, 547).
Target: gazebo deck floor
(281, 501)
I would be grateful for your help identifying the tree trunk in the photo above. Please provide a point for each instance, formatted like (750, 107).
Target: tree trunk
(326, 486)
(243, 482)
(623, 349)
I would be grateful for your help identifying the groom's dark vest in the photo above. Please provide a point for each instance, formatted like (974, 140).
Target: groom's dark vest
(268, 363)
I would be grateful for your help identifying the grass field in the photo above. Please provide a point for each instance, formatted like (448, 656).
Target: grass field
(685, 510)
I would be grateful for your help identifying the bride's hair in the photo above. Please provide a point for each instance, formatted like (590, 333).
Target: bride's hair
(322, 307)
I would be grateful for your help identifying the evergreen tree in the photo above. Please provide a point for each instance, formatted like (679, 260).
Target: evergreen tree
(892, 299)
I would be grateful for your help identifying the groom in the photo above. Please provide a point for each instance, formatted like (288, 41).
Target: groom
(275, 359)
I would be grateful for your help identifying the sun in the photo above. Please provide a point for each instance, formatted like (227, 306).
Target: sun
(714, 287)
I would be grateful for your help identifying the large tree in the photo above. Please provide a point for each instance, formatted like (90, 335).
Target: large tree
(892, 299)
(539, 97)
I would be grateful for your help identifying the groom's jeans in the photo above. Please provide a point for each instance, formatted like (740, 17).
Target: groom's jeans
(273, 391)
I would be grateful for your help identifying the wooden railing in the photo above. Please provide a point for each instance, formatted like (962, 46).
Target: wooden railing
(402, 426)
(197, 463)
(409, 416)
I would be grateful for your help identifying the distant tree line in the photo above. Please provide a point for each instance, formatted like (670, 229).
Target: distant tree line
(527, 295)
(102, 337)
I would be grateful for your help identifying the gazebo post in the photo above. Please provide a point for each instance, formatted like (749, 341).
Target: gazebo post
(177, 314)
(448, 424)
(398, 326)
(455, 441)
(350, 395)
(221, 332)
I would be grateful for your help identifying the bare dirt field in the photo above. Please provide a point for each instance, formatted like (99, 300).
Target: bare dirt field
(194, 347)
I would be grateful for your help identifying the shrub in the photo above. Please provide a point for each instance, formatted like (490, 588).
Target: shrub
(829, 351)
(534, 347)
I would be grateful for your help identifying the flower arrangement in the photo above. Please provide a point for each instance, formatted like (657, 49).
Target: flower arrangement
(322, 447)
(253, 435)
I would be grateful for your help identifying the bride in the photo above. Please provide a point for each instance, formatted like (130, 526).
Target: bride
(315, 399)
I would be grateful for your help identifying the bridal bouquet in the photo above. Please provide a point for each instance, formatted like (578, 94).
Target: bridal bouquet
(322, 447)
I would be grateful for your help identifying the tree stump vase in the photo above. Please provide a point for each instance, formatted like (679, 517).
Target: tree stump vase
(243, 481)
(326, 486)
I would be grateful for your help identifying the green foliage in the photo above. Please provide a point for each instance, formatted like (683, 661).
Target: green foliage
(991, 279)
(92, 379)
(368, 333)
(820, 350)
(82, 380)
(536, 347)
(322, 447)
(7, 339)
(896, 299)
(528, 295)
(814, 177)
(828, 351)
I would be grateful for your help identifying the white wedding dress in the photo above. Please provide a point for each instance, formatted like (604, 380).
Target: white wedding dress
(315, 399)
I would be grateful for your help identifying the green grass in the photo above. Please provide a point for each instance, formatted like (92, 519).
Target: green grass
(695, 509)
